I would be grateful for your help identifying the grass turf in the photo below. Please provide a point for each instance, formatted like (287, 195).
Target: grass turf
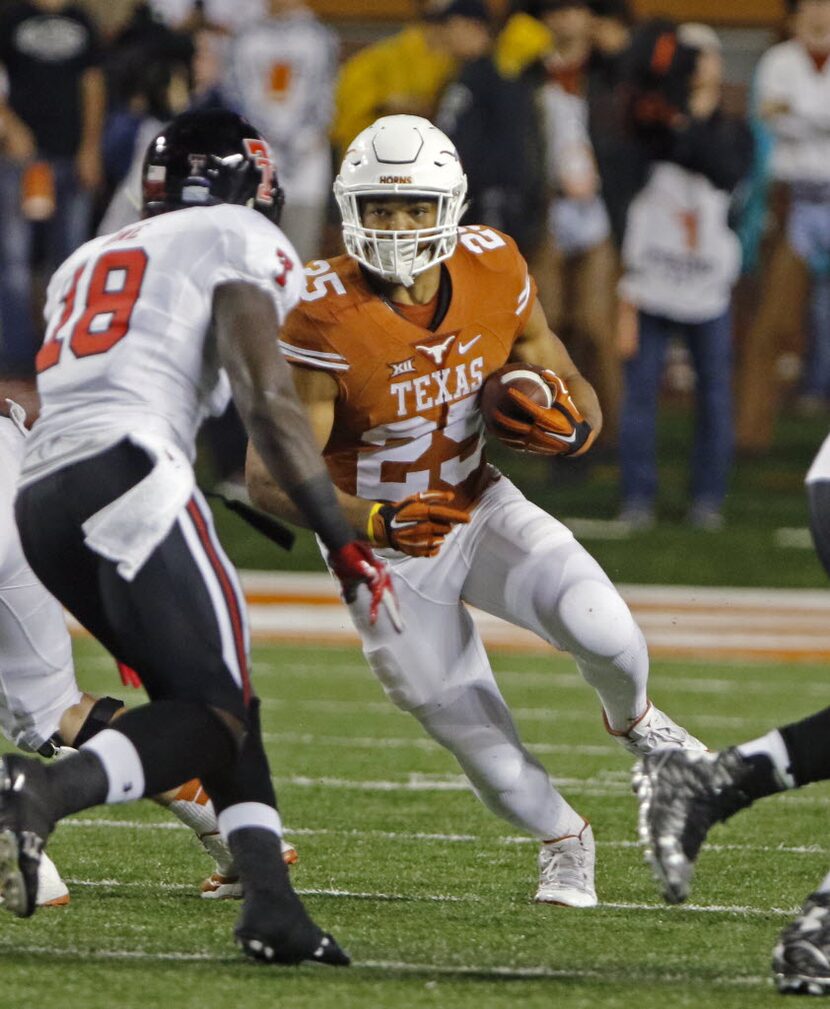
(428, 891)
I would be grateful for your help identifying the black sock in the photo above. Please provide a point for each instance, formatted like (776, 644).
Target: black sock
(248, 779)
(808, 744)
(76, 782)
(176, 741)
(258, 859)
(759, 777)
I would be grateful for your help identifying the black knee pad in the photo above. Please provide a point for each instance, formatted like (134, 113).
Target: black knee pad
(818, 496)
(99, 717)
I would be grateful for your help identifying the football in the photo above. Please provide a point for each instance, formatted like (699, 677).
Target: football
(525, 378)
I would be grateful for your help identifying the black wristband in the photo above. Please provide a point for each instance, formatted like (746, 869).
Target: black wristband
(316, 499)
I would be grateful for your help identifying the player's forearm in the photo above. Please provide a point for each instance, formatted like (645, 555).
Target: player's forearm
(270, 497)
(282, 436)
(583, 394)
(263, 390)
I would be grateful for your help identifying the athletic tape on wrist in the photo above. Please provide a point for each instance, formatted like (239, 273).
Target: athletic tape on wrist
(376, 507)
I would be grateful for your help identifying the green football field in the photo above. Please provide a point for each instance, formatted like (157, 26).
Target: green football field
(428, 891)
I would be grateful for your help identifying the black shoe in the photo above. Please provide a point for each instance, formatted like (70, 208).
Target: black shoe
(682, 793)
(264, 933)
(25, 824)
(801, 958)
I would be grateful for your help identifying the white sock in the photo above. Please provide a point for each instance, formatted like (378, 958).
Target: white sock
(249, 814)
(771, 745)
(825, 884)
(122, 765)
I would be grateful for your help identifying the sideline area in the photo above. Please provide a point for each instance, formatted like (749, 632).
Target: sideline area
(678, 621)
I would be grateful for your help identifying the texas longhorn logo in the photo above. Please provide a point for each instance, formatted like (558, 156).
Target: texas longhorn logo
(437, 351)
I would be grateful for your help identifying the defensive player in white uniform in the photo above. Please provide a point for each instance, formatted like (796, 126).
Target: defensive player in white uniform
(42, 708)
(391, 344)
(148, 330)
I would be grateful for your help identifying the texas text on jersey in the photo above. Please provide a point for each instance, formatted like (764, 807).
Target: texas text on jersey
(407, 416)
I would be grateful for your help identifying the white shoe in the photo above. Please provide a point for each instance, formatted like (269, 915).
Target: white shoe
(652, 730)
(566, 870)
(219, 886)
(51, 889)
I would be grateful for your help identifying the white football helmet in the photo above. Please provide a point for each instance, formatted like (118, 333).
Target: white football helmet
(403, 156)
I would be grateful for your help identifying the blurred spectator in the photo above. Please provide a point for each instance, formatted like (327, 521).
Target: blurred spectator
(50, 131)
(148, 73)
(404, 73)
(680, 262)
(191, 16)
(577, 269)
(793, 95)
(522, 42)
(492, 121)
(814, 394)
(621, 161)
(280, 75)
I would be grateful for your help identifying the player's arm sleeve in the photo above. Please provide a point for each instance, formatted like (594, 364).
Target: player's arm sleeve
(304, 344)
(244, 320)
(523, 288)
(254, 252)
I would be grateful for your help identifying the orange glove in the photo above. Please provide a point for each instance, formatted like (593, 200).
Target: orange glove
(559, 429)
(417, 525)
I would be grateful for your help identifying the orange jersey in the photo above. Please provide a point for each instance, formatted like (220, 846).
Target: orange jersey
(407, 417)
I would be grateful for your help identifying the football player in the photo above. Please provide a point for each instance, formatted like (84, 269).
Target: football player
(391, 344)
(682, 795)
(148, 331)
(42, 709)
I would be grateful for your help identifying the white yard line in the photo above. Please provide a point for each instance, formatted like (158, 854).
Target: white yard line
(540, 714)
(546, 677)
(428, 745)
(637, 976)
(440, 838)
(444, 898)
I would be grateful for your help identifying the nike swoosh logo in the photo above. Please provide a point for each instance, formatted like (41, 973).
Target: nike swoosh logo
(464, 347)
(567, 439)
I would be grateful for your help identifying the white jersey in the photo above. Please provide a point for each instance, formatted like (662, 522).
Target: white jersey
(576, 225)
(129, 347)
(788, 76)
(680, 256)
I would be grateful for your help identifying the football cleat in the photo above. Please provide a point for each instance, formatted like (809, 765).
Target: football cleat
(566, 870)
(25, 824)
(268, 931)
(51, 889)
(228, 887)
(652, 730)
(801, 958)
(682, 793)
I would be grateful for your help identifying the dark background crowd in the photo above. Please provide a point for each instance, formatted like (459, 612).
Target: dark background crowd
(669, 183)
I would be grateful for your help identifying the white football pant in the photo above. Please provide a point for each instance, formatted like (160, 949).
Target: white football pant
(517, 562)
(37, 677)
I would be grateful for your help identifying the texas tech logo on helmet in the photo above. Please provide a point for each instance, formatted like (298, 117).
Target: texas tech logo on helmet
(210, 157)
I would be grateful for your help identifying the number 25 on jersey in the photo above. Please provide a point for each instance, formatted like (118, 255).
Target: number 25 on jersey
(113, 289)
